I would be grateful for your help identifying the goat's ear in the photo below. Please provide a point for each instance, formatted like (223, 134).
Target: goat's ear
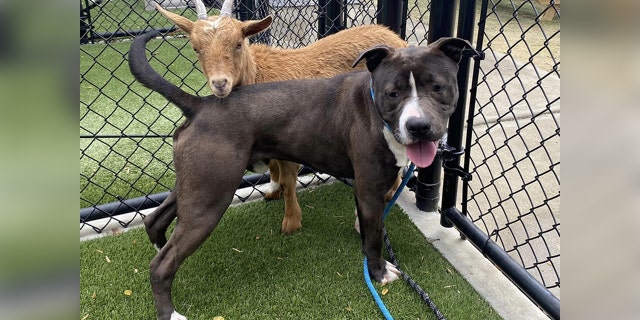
(374, 56)
(183, 23)
(253, 27)
(454, 48)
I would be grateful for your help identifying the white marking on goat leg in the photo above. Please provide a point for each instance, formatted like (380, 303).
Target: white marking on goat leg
(356, 225)
(410, 109)
(176, 316)
(392, 273)
(272, 187)
(158, 248)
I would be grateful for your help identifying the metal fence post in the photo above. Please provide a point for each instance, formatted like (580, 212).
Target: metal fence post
(330, 17)
(393, 14)
(455, 133)
(427, 188)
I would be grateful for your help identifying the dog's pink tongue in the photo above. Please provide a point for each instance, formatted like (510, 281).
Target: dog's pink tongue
(422, 153)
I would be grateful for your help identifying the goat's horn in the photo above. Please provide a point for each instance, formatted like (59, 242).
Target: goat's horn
(201, 10)
(227, 7)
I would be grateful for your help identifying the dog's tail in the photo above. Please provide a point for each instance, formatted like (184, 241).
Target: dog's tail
(145, 74)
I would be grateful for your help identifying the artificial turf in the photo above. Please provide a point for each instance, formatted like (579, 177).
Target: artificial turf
(248, 270)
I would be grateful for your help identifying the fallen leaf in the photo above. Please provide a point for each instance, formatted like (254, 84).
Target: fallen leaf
(348, 308)
(385, 291)
(107, 258)
(85, 317)
(449, 271)
(257, 237)
(128, 292)
(237, 250)
(218, 318)
(93, 296)
(338, 273)
(449, 286)
(99, 251)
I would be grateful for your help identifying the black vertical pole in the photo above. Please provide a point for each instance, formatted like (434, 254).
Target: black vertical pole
(333, 17)
(428, 183)
(322, 20)
(246, 10)
(391, 14)
(466, 22)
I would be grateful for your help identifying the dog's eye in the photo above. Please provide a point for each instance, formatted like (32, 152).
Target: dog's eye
(239, 46)
(437, 88)
(196, 50)
(393, 94)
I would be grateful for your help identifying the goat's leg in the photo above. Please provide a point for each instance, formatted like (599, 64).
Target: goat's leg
(292, 220)
(389, 195)
(275, 189)
(157, 222)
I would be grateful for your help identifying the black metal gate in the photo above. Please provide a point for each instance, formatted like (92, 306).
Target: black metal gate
(502, 144)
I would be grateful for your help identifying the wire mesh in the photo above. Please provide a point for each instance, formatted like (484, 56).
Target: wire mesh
(515, 152)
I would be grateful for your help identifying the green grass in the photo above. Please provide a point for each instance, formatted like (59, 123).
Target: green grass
(113, 103)
(248, 270)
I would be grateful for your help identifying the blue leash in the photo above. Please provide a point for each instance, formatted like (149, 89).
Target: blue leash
(367, 277)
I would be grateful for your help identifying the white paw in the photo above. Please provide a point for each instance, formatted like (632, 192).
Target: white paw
(176, 316)
(356, 225)
(392, 273)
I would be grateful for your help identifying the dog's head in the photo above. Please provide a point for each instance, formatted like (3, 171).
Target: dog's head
(415, 91)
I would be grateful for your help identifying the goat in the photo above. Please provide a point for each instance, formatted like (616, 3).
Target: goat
(228, 60)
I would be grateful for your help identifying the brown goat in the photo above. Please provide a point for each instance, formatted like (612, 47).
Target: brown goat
(228, 60)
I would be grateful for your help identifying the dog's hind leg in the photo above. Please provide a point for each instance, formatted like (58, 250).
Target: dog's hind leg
(157, 222)
(197, 217)
(292, 220)
(275, 189)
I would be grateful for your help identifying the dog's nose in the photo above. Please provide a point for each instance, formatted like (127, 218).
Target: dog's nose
(418, 127)
(219, 83)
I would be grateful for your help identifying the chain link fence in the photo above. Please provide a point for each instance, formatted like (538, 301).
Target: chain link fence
(515, 146)
(514, 196)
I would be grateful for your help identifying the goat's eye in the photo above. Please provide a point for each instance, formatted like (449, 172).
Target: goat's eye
(393, 94)
(437, 88)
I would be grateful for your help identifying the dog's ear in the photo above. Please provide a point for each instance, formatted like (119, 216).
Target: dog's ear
(374, 56)
(454, 48)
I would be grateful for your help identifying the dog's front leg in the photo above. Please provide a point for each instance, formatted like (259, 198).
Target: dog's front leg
(370, 208)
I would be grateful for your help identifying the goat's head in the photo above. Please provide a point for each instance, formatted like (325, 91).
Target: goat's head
(222, 45)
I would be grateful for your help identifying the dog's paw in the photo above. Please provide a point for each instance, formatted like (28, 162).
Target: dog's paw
(176, 316)
(392, 273)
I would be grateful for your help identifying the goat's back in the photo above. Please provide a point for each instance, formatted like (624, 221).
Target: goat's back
(324, 58)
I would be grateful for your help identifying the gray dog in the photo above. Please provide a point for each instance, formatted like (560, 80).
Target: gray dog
(361, 125)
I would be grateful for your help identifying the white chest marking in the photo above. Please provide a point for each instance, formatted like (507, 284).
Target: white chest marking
(398, 150)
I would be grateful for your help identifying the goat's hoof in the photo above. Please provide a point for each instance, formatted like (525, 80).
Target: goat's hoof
(289, 226)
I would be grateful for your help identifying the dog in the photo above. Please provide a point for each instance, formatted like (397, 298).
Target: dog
(363, 125)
